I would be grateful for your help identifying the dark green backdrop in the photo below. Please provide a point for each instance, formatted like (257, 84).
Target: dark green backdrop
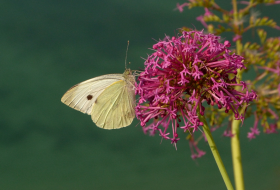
(46, 47)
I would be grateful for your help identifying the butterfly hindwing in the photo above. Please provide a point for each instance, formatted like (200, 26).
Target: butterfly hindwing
(128, 105)
(114, 108)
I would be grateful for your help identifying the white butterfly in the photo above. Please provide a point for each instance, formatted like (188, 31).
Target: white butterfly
(109, 99)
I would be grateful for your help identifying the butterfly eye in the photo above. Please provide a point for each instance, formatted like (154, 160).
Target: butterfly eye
(89, 97)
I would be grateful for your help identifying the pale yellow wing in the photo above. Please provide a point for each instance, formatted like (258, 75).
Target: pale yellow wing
(114, 108)
(82, 96)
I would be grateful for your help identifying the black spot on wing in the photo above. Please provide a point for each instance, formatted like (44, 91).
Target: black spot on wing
(89, 97)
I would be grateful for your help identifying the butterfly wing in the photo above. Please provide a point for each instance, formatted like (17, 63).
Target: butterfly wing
(114, 108)
(82, 96)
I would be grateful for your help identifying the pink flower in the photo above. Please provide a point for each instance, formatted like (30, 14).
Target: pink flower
(196, 152)
(272, 129)
(181, 7)
(236, 37)
(244, 2)
(275, 70)
(228, 133)
(180, 75)
(207, 12)
(275, 2)
(201, 17)
(254, 130)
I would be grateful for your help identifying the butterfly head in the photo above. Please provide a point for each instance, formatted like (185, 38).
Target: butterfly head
(127, 72)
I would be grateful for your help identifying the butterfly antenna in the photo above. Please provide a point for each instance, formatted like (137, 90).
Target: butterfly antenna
(126, 53)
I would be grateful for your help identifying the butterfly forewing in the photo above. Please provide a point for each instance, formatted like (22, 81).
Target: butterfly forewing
(83, 95)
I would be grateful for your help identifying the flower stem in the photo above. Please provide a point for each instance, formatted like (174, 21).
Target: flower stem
(216, 154)
(235, 143)
(236, 156)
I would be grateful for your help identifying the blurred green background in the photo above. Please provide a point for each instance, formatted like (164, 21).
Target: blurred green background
(46, 47)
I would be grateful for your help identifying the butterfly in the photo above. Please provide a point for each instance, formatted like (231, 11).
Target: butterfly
(109, 99)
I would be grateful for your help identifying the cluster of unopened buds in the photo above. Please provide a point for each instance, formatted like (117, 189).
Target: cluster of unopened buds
(184, 72)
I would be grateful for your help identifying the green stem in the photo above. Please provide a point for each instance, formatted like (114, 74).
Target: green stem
(236, 156)
(235, 142)
(236, 27)
(216, 154)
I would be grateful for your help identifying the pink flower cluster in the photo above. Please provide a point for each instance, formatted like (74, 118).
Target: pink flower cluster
(180, 75)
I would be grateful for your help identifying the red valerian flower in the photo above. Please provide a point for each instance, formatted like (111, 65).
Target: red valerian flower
(181, 7)
(180, 75)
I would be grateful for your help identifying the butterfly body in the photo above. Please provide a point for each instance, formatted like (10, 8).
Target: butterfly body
(109, 99)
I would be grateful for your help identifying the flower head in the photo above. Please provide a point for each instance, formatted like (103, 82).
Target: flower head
(181, 74)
